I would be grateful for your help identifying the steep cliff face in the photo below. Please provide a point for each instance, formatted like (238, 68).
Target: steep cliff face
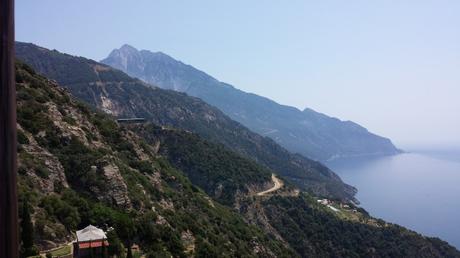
(77, 166)
(307, 132)
(50, 128)
(122, 96)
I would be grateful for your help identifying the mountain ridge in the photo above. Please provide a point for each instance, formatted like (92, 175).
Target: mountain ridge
(78, 166)
(296, 130)
(120, 95)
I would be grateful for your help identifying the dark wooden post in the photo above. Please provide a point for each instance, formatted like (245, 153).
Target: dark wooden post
(9, 246)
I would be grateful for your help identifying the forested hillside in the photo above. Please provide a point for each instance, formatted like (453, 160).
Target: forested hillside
(223, 174)
(315, 230)
(77, 166)
(116, 93)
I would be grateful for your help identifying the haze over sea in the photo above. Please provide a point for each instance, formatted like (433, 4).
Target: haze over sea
(417, 190)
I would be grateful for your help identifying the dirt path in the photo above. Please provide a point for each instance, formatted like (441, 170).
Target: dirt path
(278, 185)
(43, 253)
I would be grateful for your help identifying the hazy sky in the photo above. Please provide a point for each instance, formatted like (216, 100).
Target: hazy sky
(392, 66)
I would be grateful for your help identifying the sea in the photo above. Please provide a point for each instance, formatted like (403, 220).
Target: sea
(419, 189)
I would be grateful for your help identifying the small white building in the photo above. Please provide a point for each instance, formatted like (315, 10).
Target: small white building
(90, 241)
(323, 201)
(333, 208)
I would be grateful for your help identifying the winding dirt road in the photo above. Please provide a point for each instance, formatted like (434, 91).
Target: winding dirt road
(278, 185)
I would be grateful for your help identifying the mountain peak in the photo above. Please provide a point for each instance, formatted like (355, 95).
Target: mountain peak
(125, 55)
(307, 132)
(141, 62)
(127, 47)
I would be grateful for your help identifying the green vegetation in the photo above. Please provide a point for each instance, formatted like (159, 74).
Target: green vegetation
(89, 81)
(161, 211)
(115, 247)
(60, 251)
(60, 210)
(27, 232)
(22, 138)
(315, 231)
(218, 171)
(77, 160)
(168, 215)
(31, 162)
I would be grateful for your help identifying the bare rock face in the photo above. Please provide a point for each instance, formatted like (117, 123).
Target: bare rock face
(254, 213)
(118, 191)
(162, 221)
(188, 241)
(53, 169)
(261, 250)
(219, 190)
(166, 204)
(155, 179)
(67, 129)
(140, 151)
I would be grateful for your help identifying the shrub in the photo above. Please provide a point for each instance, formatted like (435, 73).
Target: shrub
(22, 138)
(59, 209)
(42, 172)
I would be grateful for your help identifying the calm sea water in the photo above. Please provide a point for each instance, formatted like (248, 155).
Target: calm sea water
(418, 190)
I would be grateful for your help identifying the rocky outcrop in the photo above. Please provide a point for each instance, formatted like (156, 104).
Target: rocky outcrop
(155, 179)
(188, 241)
(46, 172)
(261, 250)
(118, 191)
(254, 213)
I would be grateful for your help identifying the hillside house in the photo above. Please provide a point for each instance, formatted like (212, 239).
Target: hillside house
(91, 242)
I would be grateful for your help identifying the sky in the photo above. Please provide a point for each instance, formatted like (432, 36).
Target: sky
(392, 66)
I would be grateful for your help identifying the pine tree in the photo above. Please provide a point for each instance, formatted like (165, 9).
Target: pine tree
(130, 253)
(27, 232)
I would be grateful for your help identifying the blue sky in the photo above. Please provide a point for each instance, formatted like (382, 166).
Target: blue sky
(392, 66)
